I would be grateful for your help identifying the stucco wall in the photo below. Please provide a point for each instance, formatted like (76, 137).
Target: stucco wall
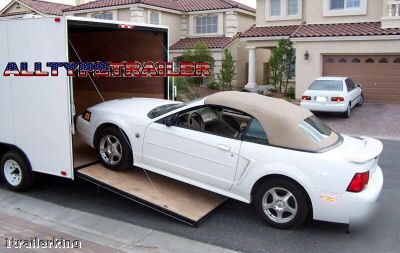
(245, 22)
(313, 13)
(307, 71)
(173, 21)
(13, 8)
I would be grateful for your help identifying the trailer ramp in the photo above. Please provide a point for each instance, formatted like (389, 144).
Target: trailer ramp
(178, 200)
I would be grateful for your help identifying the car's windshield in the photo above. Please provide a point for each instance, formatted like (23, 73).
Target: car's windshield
(163, 109)
(328, 85)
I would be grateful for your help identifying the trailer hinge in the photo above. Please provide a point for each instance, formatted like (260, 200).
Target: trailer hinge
(72, 129)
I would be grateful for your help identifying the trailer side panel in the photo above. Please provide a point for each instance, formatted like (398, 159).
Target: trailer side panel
(37, 111)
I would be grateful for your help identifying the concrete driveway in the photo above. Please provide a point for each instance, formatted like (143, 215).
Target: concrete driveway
(375, 120)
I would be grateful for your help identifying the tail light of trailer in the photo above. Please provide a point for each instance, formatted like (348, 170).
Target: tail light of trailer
(359, 182)
(305, 98)
(337, 99)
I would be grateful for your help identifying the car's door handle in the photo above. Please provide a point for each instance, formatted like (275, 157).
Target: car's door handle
(223, 147)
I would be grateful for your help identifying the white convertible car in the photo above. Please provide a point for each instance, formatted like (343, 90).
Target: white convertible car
(248, 147)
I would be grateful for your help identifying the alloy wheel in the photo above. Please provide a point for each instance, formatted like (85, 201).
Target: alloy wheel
(279, 205)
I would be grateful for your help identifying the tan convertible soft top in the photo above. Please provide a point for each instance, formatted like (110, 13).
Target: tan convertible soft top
(278, 117)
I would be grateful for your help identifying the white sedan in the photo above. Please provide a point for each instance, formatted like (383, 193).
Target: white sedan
(248, 147)
(333, 94)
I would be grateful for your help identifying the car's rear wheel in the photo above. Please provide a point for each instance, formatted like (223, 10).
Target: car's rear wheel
(16, 171)
(281, 203)
(114, 149)
(347, 113)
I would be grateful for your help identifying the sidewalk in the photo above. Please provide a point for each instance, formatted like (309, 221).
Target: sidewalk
(23, 217)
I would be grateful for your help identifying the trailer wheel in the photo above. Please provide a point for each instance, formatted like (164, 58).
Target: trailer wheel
(16, 172)
(113, 149)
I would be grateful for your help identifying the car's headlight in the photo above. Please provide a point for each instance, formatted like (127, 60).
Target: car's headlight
(87, 116)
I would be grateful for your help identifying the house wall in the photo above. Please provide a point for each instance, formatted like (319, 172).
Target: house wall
(173, 21)
(245, 22)
(308, 70)
(313, 13)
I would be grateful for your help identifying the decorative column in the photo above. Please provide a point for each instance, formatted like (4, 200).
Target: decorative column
(231, 23)
(251, 84)
(184, 26)
(137, 14)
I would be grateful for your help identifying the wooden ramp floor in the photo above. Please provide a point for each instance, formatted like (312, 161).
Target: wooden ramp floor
(181, 201)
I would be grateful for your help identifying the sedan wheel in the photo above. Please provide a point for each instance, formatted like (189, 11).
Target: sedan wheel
(347, 113)
(281, 203)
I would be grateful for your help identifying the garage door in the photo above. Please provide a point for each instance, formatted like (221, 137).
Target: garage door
(378, 74)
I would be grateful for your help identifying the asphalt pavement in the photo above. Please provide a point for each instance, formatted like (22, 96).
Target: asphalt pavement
(234, 225)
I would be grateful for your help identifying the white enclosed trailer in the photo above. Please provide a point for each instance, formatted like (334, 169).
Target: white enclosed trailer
(37, 113)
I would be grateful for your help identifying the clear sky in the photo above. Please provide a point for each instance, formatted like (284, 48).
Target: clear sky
(3, 3)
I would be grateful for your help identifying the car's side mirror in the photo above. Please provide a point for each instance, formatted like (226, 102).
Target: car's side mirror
(169, 121)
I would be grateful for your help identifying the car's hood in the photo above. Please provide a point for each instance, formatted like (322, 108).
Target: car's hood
(131, 106)
(357, 149)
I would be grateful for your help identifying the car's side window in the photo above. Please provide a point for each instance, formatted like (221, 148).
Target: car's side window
(350, 84)
(255, 133)
(214, 120)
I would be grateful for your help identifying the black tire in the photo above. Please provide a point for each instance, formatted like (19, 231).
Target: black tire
(126, 159)
(361, 102)
(21, 178)
(347, 113)
(300, 201)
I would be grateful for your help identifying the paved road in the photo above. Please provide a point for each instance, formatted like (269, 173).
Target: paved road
(234, 225)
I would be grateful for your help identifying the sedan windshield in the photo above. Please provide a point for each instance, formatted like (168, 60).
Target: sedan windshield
(328, 85)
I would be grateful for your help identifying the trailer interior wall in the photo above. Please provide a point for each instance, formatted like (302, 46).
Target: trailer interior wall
(98, 41)
(106, 42)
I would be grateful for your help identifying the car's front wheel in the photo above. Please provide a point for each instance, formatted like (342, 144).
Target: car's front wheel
(281, 203)
(361, 102)
(113, 149)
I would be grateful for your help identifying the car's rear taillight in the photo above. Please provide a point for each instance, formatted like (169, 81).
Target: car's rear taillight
(359, 182)
(305, 98)
(337, 99)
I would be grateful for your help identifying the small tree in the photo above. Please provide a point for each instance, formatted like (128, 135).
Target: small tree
(280, 64)
(275, 69)
(287, 57)
(227, 71)
(200, 53)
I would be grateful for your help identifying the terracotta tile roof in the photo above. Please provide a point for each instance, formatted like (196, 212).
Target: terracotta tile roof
(270, 31)
(178, 5)
(210, 42)
(43, 7)
(322, 30)
(345, 29)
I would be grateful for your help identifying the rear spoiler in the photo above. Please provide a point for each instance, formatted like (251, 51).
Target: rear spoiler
(372, 149)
